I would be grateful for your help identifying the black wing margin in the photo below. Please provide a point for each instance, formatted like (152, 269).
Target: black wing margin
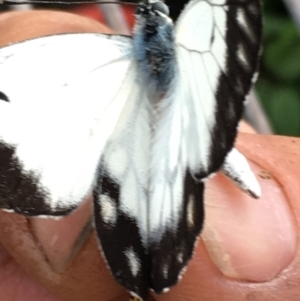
(243, 39)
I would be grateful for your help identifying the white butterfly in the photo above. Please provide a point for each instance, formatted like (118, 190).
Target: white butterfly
(138, 122)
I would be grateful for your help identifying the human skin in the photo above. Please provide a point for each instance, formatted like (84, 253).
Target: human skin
(248, 249)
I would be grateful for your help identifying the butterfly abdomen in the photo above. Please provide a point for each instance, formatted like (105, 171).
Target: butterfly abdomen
(154, 49)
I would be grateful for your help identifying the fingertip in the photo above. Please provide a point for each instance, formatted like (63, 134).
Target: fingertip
(21, 25)
(61, 239)
(249, 247)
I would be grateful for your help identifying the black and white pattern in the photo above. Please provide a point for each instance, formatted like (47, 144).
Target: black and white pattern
(138, 122)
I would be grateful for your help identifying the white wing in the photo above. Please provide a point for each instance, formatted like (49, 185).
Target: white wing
(218, 43)
(74, 120)
(61, 99)
(121, 196)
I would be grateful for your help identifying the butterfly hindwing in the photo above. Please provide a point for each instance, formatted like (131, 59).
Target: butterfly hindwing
(121, 193)
(171, 251)
(57, 118)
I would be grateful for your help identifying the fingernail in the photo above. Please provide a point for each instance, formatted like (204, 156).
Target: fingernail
(61, 239)
(248, 239)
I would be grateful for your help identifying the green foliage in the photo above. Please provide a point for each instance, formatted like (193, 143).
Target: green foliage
(279, 83)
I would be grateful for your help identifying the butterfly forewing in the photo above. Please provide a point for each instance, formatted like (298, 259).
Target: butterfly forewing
(60, 113)
(218, 61)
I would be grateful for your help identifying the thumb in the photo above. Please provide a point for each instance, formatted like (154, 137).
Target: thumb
(249, 248)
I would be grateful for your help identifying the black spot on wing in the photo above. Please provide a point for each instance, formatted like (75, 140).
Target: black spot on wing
(172, 253)
(19, 190)
(236, 81)
(119, 238)
(3, 97)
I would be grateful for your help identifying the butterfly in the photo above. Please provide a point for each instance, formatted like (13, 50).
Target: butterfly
(138, 122)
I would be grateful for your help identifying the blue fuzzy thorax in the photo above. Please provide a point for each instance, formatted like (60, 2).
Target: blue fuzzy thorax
(154, 50)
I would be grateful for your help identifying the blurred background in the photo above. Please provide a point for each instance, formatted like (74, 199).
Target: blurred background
(278, 86)
(274, 105)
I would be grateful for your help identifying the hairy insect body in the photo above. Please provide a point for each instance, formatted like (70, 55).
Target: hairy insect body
(153, 44)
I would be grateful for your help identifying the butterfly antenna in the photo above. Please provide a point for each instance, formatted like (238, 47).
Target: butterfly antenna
(115, 17)
(16, 2)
